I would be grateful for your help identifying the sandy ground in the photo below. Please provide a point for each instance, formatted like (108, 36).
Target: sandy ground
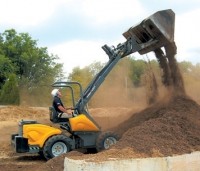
(9, 117)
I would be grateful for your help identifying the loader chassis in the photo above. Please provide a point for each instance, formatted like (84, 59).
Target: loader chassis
(38, 138)
(82, 131)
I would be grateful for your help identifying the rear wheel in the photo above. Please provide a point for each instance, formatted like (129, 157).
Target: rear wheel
(106, 140)
(55, 146)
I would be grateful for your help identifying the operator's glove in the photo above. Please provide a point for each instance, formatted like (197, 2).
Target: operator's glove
(66, 115)
(74, 115)
(70, 111)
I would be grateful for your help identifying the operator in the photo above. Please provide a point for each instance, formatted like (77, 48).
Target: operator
(58, 105)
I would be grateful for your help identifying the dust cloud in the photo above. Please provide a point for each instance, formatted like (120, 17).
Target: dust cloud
(118, 91)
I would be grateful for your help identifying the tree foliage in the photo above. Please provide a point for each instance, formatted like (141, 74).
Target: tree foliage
(6, 68)
(138, 68)
(84, 76)
(32, 65)
(10, 91)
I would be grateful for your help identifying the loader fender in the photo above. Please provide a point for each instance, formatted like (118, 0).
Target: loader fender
(82, 123)
(37, 134)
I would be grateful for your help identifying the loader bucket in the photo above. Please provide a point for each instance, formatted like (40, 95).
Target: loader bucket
(153, 32)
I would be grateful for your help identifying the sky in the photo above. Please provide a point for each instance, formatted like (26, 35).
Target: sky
(75, 30)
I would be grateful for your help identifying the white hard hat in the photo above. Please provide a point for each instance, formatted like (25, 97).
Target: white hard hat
(54, 92)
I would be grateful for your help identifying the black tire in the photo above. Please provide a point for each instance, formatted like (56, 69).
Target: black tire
(105, 140)
(55, 146)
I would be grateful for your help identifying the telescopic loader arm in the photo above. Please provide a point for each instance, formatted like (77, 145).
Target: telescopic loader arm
(152, 33)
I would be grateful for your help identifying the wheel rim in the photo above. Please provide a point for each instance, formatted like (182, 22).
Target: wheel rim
(59, 148)
(109, 141)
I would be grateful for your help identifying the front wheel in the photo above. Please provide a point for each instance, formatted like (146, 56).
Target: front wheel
(55, 146)
(106, 140)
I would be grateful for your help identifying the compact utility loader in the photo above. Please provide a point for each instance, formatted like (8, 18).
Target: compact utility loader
(82, 131)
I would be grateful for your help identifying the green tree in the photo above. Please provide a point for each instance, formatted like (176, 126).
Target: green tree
(31, 62)
(6, 68)
(1, 45)
(10, 91)
(84, 76)
(137, 70)
(35, 69)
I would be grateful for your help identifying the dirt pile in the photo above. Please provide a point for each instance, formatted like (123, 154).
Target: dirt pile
(168, 129)
(16, 113)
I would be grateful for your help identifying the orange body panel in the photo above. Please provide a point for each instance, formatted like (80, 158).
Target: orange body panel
(37, 134)
(82, 123)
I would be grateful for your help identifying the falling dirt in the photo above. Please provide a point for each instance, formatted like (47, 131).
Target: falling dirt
(151, 85)
(172, 77)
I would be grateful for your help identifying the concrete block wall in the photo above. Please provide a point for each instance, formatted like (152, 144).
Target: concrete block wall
(186, 162)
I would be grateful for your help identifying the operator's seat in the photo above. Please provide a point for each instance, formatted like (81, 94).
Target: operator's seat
(54, 117)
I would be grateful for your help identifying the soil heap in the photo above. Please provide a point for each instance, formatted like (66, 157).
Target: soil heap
(165, 128)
